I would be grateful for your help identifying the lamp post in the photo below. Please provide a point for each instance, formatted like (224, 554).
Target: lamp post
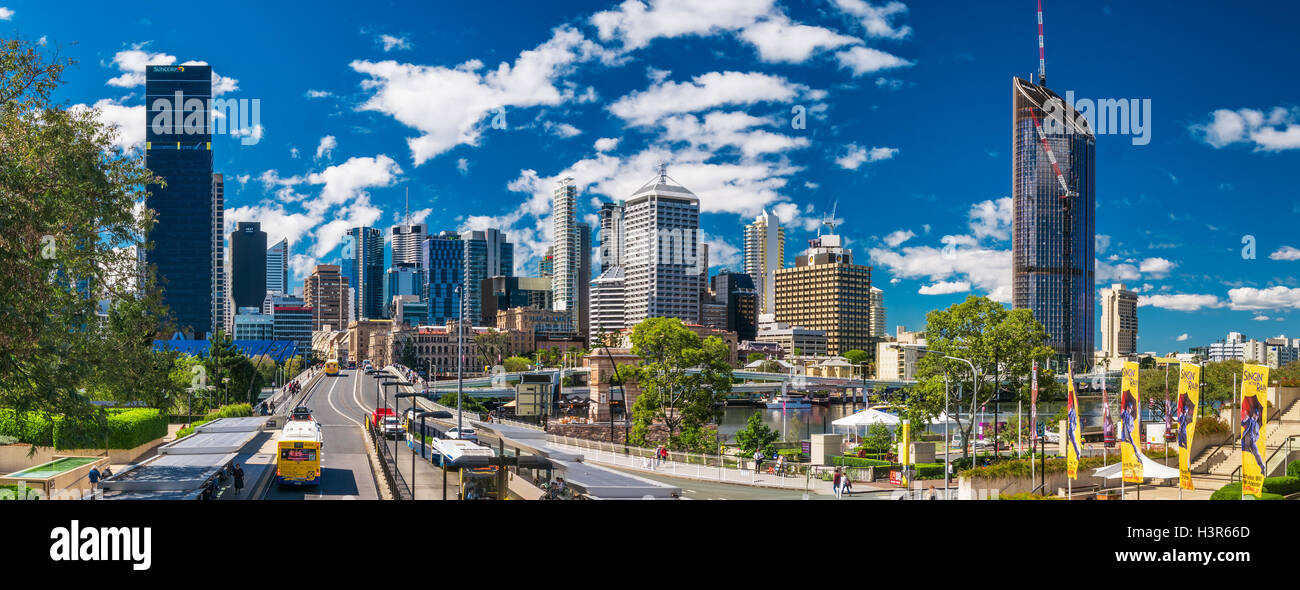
(975, 397)
(394, 384)
(460, 353)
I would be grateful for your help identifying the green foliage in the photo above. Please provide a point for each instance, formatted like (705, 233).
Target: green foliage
(1021, 467)
(1293, 469)
(1282, 485)
(31, 428)
(856, 356)
(516, 364)
(756, 436)
(1218, 378)
(754, 356)
(668, 393)
(1001, 343)
(878, 438)
(1028, 496)
(695, 439)
(1232, 491)
(471, 404)
(1207, 426)
(857, 462)
(130, 429)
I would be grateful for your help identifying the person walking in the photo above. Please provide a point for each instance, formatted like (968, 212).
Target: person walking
(239, 478)
(835, 483)
(758, 460)
(846, 487)
(94, 477)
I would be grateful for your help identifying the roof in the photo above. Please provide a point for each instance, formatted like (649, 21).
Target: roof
(1040, 96)
(663, 185)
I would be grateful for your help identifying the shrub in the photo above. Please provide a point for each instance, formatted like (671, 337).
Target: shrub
(28, 428)
(856, 462)
(1028, 496)
(1282, 486)
(1232, 491)
(1208, 425)
(929, 471)
(188, 430)
(1293, 469)
(231, 411)
(133, 428)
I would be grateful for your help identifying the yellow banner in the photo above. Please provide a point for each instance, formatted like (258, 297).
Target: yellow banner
(905, 450)
(1072, 437)
(1254, 428)
(1189, 401)
(1130, 415)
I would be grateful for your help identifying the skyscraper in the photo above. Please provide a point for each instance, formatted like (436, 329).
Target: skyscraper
(584, 279)
(736, 292)
(186, 252)
(488, 254)
(764, 255)
(277, 268)
(326, 293)
(611, 235)
(825, 291)
(365, 271)
(878, 329)
(403, 278)
(567, 249)
(248, 264)
(221, 300)
(662, 252)
(407, 238)
(1054, 219)
(443, 259)
(607, 305)
(1119, 322)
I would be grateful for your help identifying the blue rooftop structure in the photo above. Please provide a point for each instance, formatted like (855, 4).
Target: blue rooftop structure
(278, 350)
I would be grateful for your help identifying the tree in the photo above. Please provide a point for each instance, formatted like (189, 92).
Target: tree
(1001, 343)
(516, 364)
(878, 438)
(755, 356)
(471, 404)
(756, 436)
(856, 356)
(669, 393)
(771, 367)
(143, 374)
(67, 199)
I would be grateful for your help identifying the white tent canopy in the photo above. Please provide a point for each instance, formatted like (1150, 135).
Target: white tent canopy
(1150, 469)
(867, 417)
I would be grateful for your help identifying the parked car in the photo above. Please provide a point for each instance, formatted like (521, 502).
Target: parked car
(462, 433)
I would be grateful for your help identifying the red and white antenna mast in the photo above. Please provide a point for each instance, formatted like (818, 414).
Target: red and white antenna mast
(1042, 57)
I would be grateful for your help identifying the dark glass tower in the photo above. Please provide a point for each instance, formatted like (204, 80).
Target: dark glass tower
(1054, 221)
(248, 265)
(365, 271)
(178, 148)
(443, 259)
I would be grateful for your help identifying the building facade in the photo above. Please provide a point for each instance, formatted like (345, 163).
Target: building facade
(764, 255)
(277, 268)
(365, 271)
(826, 291)
(248, 264)
(488, 254)
(607, 306)
(737, 294)
(443, 258)
(611, 235)
(662, 252)
(326, 293)
(1054, 218)
(896, 360)
(878, 314)
(1119, 322)
(407, 238)
(504, 292)
(567, 250)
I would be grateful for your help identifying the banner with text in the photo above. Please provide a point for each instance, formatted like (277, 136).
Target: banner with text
(1072, 438)
(1254, 429)
(1130, 415)
(1189, 399)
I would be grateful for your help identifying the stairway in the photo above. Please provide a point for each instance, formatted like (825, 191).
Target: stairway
(1217, 463)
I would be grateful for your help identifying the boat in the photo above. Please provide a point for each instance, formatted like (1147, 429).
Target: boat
(778, 402)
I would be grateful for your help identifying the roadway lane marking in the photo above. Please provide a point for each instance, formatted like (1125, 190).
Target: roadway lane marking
(355, 389)
(330, 398)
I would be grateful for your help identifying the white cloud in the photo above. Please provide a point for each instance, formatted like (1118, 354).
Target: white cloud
(319, 93)
(866, 60)
(1285, 253)
(462, 164)
(390, 42)
(721, 253)
(344, 193)
(6, 14)
(962, 260)
(1180, 302)
(1102, 243)
(562, 129)
(780, 40)
(255, 133)
(704, 92)
(856, 155)
(449, 106)
(128, 120)
(730, 129)
(1182, 337)
(636, 24)
(326, 147)
(945, 288)
(1271, 298)
(606, 144)
(898, 237)
(1156, 267)
(276, 221)
(1261, 318)
(1105, 272)
(877, 20)
(992, 219)
(1279, 130)
(132, 62)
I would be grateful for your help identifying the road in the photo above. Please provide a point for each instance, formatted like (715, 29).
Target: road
(428, 477)
(336, 402)
(707, 490)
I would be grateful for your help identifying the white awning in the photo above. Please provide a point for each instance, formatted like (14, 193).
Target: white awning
(1150, 470)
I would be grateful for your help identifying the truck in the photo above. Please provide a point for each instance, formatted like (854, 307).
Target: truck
(385, 420)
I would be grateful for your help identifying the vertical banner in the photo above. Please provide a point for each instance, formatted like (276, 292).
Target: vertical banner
(1071, 426)
(1033, 406)
(1107, 425)
(1254, 428)
(905, 451)
(1189, 397)
(1130, 415)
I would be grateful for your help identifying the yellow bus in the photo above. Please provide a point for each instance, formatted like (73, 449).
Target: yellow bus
(332, 368)
(299, 450)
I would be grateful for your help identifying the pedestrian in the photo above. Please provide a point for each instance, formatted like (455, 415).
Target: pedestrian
(846, 486)
(107, 473)
(272, 407)
(94, 477)
(835, 482)
(239, 478)
(933, 493)
(758, 460)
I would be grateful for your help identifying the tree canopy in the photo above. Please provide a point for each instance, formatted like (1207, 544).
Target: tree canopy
(669, 393)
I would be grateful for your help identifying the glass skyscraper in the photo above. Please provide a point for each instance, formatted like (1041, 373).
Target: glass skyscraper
(277, 268)
(443, 259)
(178, 148)
(1054, 223)
(365, 271)
(488, 254)
(248, 264)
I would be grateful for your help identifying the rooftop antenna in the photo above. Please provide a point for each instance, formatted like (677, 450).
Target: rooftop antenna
(830, 221)
(407, 220)
(663, 170)
(1042, 56)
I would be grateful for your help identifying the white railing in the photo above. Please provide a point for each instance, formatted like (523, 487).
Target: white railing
(696, 466)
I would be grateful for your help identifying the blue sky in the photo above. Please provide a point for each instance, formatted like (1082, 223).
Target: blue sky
(907, 127)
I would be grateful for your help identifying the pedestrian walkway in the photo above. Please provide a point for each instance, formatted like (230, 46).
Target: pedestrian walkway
(709, 473)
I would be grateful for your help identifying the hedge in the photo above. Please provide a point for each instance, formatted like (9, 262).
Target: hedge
(1028, 496)
(1021, 467)
(113, 429)
(856, 462)
(1283, 486)
(32, 428)
(133, 428)
(1208, 426)
(1293, 469)
(1273, 489)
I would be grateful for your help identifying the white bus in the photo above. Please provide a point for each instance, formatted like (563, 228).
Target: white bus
(454, 453)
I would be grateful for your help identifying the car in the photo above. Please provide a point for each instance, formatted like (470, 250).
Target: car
(393, 427)
(462, 433)
(301, 413)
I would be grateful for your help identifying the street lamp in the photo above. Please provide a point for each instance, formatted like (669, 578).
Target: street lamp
(394, 384)
(946, 417)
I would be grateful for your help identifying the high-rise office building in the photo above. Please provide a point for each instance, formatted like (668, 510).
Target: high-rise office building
(293, 320)
(443, 258)
(326, 293)
(662, 252)
(584, 279)
(247, 264)
(488, 254)
(546, 264)
(567, 249)
(611, 235)
(1119, 321)
(407, 238)
(736, 292)
(825, 291)
(403, 278)
(221, 299)
(186, 250)
(502, 293)
(1054, 219)
(878, 314)
(607, 306)
(365, 271)
(277, 268)
(251, 324)
(764, 255)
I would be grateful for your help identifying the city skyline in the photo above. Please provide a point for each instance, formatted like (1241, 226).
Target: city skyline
(357, 152)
